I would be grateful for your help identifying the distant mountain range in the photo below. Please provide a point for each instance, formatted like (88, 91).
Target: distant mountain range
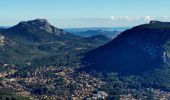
(97, 28)
(143, 50)
(87, 32)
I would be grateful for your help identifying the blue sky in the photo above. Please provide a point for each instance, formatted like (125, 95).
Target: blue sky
(85, 13)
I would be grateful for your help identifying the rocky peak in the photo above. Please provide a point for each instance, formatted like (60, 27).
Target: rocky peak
(34, 23)
(39, 24)
(155, 22)
(159, 22)
(42, 21)
(158, 25)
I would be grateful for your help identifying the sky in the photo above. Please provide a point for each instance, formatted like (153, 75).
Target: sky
(85, 13)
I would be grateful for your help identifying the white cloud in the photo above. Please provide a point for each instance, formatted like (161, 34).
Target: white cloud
(112, 18)
(124, 18)
(148, 18)
(138, 18)
(165, 18)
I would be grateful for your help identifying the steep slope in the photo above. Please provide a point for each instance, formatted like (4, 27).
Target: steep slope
(134, 51)
(12, 52)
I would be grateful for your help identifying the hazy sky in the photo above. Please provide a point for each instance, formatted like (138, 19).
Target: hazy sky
(85, 13)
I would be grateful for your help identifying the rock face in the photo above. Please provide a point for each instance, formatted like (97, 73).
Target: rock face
(39, 24)
(2, 40)
(134, 51)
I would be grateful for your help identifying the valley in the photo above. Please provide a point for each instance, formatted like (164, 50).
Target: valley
(40, 61)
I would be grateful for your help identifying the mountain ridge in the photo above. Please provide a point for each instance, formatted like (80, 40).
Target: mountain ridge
(38, 24)
(133, 49)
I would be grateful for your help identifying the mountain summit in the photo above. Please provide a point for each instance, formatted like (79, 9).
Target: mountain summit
(38, 24)
(38, 30)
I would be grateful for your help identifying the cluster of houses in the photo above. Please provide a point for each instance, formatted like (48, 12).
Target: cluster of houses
(85, 83)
